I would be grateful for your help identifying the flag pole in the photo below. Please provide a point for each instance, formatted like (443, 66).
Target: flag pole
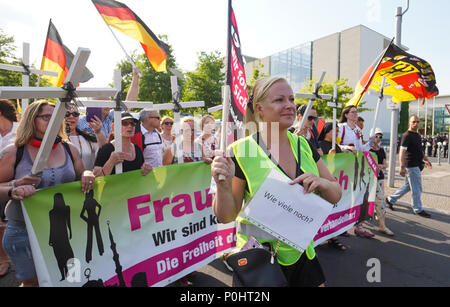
(224, 124)
(333, 142)
(380, 100)
(123, 49)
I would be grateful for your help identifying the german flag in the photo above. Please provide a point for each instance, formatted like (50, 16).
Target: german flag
(408, 77)
(58, 58)
(119, 16)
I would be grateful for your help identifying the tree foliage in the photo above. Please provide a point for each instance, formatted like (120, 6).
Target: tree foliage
(13, 78)
(205, 83)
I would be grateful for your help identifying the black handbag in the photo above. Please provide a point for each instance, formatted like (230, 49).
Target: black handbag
(256, 267)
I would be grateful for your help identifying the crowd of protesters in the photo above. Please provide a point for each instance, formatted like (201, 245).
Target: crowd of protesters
(84, 150)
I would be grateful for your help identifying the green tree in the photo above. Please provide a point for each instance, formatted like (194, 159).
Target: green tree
(344, 93)
(205, 83)
(13, 78)
(153, 86)
(256, 74)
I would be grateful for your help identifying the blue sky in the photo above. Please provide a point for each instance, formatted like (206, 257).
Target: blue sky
(265, 26)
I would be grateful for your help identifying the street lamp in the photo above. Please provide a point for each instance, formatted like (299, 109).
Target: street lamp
(395, 112)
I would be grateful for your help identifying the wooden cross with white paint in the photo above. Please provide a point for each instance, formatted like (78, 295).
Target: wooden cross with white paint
(64, 95)
(26, 71)
(119, 106)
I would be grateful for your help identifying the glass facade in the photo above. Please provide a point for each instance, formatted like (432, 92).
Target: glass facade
(293, 64)
(441, 120)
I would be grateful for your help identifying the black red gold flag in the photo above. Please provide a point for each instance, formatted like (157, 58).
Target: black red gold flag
(119, 16)
(57, 57)
(235, 74)
(408, 77)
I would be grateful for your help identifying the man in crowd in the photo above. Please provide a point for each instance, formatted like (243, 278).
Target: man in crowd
(411, 163)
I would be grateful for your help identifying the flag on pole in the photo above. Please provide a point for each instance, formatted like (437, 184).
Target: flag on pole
(58, 58)
(407, 77)
(119, 16)
(235, 74)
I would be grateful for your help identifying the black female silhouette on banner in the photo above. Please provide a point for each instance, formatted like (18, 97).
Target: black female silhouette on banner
(92, 219)
(59, 238)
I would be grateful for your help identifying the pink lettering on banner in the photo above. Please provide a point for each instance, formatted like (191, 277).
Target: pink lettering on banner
(171, 262)
(182, 205)
(338, 220)
(371, 161)
(134, 212)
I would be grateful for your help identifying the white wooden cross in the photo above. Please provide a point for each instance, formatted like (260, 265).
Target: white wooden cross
(120, 105)
(26, 70)
(312, 97)
(334, 105)
(64, 95)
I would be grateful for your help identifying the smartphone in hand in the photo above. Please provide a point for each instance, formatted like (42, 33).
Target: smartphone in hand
(93, 111)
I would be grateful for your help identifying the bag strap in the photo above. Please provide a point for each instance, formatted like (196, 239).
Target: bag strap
(19, 154)
(343, 135)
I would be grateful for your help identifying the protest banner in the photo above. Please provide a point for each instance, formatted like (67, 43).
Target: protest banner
(133, 231)
(151, 230)
(358, 184)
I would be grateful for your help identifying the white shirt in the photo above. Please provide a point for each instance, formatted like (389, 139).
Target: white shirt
(8, 138)
(88, 150)
(153, 147)
(351, 137)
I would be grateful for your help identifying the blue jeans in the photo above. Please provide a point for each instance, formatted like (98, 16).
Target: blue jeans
(17, 246)
(413, 183)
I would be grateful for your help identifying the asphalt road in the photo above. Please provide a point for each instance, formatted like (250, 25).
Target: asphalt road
(418, 255)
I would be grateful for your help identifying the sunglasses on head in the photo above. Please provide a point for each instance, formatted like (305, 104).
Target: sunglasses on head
(74, 114)
(45, 117)
(129, 123)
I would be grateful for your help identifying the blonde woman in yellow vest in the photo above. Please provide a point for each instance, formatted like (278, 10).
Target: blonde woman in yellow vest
(269, 114)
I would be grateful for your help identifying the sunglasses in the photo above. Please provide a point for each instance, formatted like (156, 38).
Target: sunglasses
(312, 117)
(168, 123)
(74, 114)
(129, 123)
(45, 117)
(379, 136)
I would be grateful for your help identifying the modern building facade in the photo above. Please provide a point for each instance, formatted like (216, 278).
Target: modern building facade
(346, 54)
(434, 114)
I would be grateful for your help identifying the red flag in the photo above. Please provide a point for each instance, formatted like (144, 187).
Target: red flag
(235, 74)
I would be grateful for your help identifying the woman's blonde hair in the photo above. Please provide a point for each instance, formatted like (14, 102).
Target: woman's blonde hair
(204, 119)
(27, 126)
(165, 118)
(258, 94)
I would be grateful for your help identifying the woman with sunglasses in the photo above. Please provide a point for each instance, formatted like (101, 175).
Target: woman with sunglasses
(86, 143)
(131, 155)
(167, 137)
(63, 165)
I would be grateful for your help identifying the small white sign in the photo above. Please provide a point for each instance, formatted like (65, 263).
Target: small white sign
(286, 212)
(390, 105)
